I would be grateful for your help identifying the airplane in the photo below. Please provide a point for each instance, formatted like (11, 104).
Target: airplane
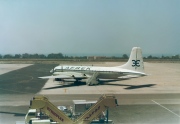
(134, 67)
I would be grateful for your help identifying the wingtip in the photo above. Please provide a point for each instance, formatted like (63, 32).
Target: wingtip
(41, 77)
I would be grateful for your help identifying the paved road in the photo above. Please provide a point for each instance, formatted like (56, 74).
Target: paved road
(23, 80)
(138, 102)
(133, 108)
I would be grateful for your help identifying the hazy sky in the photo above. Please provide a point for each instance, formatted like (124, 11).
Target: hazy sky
(83, 27)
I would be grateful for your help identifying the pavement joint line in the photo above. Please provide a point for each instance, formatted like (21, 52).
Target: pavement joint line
(165, 108)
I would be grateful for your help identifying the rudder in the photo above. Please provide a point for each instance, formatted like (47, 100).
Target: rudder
(135, 61)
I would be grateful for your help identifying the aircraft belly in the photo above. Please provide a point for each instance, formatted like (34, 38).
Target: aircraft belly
(108, 76)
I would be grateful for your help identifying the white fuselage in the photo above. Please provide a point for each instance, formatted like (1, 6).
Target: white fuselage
(103, 72)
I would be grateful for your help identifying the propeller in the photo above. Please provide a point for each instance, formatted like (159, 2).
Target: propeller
(52, 70)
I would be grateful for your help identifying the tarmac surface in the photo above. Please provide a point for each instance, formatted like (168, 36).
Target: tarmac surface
(153, 99)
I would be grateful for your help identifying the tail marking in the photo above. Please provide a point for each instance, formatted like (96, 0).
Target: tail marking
(136, 63)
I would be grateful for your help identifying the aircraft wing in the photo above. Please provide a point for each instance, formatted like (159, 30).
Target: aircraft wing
(57, 76)
(67, 75)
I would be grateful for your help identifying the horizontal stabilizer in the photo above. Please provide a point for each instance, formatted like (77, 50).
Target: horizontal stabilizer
(57, 76)
(128, 76)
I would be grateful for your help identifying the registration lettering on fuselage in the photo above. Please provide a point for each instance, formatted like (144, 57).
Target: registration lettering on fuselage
(76, 68)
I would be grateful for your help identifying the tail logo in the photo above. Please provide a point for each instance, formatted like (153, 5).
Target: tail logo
(135, 63)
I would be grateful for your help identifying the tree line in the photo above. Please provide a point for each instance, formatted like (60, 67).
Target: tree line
(61, 56)
(33, 56)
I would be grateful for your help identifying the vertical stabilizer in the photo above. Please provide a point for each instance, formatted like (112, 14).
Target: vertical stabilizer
(135, 61)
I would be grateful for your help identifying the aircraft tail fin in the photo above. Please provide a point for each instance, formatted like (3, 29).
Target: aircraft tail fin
(135, 61)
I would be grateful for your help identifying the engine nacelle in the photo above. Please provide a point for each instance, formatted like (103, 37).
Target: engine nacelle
(58, 79)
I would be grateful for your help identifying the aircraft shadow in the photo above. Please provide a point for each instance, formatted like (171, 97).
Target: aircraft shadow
(66, 85)
(131, 87)
(101, 82)
(71, 84)
(15, 114)
(139, 86)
